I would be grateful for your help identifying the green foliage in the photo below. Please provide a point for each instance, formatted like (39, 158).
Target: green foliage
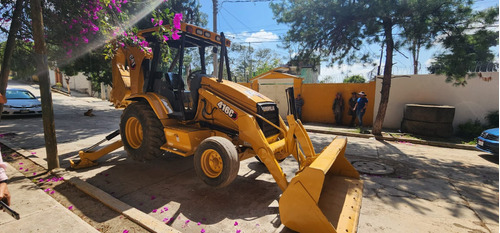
(355, 79)
(23, 63)
(465, 48)
(247, 62)
(492, 119)
(470, 129)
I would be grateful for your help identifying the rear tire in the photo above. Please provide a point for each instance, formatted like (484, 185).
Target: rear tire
(216, 161)
(141, 131)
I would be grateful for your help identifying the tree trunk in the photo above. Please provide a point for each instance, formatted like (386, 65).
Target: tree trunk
(386, 81)
(415, 52)
(9, 49)
(43, 77)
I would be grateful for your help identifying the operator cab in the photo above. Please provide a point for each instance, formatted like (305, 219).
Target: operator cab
(180, 83)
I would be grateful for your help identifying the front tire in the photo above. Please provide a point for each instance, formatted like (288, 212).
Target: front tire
(216, 161)
(141, 131)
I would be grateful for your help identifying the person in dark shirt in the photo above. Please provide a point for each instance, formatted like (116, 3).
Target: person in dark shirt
(299, 102)
(338, 108)
(352, 102)
(360, 107)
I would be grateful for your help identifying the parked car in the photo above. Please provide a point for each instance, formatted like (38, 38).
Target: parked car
(488, 141)
(21, 102)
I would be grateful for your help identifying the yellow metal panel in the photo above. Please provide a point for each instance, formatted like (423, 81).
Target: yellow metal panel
(185, 139)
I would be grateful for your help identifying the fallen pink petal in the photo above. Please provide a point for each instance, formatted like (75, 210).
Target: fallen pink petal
(20, 168)
(33, 153)
(235, 223)
(154, 211)
(153, 197)
(165, 220)
(199, 223)
(238, 231)
(125, 231)
(40, 180)
(21, 163)
(187, 221)
(70, 207)
(26, 169)
(34, 173)
(165, 208)
(52, 192)
(202, 230)
(46, 190)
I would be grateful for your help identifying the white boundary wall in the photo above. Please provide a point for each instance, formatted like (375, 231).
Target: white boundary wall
(471, 102)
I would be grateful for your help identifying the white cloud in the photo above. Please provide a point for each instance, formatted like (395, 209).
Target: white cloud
(261, 36)
(339, 73)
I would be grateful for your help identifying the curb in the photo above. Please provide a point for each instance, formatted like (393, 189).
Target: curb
(149, 223)
(414, 141)
(135, 215)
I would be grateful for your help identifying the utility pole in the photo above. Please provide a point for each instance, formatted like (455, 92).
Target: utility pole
(43, 76)
(215, 30)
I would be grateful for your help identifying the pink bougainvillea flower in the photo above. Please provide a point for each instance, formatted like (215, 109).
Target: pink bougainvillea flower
(125, 34)
(235, 223)
(165, 38)
(161, 212)
(154, 211)
(177, 20)
(125, 231)
(52, 192)
(21, 163)
(165, 208)
(165, 220)
(70, 207)
(187, 221)
(46, 190)
(238, 231)
(160, 22)
(199, 223)
(202, 230)
(153, 197)
(20, 168)
(152, 20)
(175, 36)
(124, 1)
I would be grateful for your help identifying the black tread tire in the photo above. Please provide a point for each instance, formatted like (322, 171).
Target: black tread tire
(153, 135)
(230, 160)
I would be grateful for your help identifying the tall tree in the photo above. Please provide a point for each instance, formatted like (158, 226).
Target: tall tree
(9, 49)
(339, 28)
(467, 44)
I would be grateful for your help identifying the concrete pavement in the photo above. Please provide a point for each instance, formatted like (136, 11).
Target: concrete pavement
(433, 189)
(38, 211)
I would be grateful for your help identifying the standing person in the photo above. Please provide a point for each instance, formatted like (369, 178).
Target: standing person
(338, 108)
(352, 103)
(299, 102)
(360, 107)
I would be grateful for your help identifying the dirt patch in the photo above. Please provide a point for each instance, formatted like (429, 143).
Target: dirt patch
(87, 208)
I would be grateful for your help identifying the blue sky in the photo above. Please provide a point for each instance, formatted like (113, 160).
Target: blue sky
(252, 21)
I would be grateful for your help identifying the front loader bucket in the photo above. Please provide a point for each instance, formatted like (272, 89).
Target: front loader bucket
(325, 196)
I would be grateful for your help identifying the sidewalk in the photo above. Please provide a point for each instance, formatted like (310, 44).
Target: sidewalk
(351, 132)
(38, 211)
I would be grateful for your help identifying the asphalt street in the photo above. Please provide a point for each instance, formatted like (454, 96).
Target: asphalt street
(432, 189)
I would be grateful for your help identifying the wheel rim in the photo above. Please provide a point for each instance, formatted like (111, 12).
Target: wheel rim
(133, 131)
(211, 163)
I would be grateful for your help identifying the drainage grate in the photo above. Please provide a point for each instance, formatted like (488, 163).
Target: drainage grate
(373, 168)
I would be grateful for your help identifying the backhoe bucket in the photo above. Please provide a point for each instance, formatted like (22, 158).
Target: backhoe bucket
(325, 196)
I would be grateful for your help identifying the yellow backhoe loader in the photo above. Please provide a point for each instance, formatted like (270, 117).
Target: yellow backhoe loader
(222, 123)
